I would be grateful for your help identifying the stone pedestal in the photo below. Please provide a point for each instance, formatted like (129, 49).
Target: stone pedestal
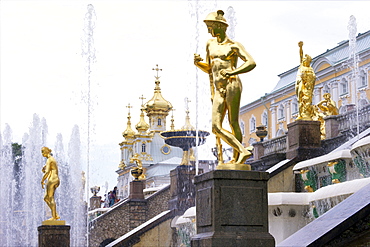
(54, 235)
(95, 202)
(232, 209)
(331, 127)
(258, 150)
(136, 189)
(304, 140)
(182, 189)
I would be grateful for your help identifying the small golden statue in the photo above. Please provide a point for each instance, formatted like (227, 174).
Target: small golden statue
(328, 106)
(305, 83)
(50, 171)
(137, 172)
(324, 108)
(226, 88)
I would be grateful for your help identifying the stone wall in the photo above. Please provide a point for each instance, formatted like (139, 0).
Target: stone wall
(126, 216)
(110, 225)
(158, 202)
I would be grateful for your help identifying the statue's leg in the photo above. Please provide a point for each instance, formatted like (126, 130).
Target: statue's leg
(218, 112)
(50, 189)
(219, 150)
(233, 104)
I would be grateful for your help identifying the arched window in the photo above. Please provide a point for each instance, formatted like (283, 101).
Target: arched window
(343, 87)
(363, 102)
(242, 127)
(280, 132)
(252, 124)
(363, 79)
(159, 122)
(143, 148)
(326, 89)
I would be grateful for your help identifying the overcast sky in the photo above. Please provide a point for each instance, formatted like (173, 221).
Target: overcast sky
(42, 70)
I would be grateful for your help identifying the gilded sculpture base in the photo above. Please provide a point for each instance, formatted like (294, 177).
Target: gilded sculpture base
(53, 222)
(230, 166)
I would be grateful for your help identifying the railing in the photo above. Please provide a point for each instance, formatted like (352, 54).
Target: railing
(348, 120)
(275, 145)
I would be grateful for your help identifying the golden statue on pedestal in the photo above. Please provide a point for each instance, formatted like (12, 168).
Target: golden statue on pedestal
(50, 171)
(138, 172)
(324, 108)
(226, 88)
(305, 83)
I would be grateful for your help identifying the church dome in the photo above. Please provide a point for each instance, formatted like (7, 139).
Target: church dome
(129, 132)
(157, 104)
(142, 126)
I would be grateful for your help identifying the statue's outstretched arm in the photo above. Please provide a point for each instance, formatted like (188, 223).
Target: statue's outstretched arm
(300, 44)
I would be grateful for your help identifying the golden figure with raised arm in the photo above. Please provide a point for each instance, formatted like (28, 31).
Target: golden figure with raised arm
(226, 87)
(305, 83)
(50, 171)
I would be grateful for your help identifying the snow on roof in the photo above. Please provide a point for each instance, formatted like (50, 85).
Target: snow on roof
(277, 166)
(341, 154)
(303, 198)
(362, 142)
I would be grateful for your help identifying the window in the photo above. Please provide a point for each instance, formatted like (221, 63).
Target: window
(264, 118)
(281, 112)
(326, 89)
(343, 87)
(252, 140)
(143, 148)
(159, 122)
(294, 106)
(242, 127)
(280, 132)
(363, 79)
(252, 124)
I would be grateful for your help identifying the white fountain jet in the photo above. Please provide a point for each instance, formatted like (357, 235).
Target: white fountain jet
(353, 62)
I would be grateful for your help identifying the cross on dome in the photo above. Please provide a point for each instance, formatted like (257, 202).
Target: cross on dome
(142, 99)
(157, 69)
(129, 107)
(187, 101)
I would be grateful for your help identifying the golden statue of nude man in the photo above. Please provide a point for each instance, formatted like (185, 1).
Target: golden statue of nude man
(226, 88)
(305, 83)
(50, 171)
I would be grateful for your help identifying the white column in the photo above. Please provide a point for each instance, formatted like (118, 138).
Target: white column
(335, 91)
(288, 111)
(317, 95)
(273, 121)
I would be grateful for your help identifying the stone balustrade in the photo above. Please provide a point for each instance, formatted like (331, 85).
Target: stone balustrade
(348, 120)
(275, 145)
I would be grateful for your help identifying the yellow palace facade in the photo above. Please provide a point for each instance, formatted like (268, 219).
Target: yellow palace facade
(346, 81)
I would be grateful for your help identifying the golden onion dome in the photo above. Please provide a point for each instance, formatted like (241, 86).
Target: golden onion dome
(129, 132)
(157, 104)
(142, 126)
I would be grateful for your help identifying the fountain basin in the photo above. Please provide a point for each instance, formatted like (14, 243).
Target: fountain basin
(185, 139)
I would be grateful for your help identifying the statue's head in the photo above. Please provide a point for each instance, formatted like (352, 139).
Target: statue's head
(216, 20)
(307, 60)
(326, 96)
(45, 151)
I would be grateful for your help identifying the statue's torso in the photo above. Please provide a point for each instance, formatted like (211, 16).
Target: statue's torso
(222, 56)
